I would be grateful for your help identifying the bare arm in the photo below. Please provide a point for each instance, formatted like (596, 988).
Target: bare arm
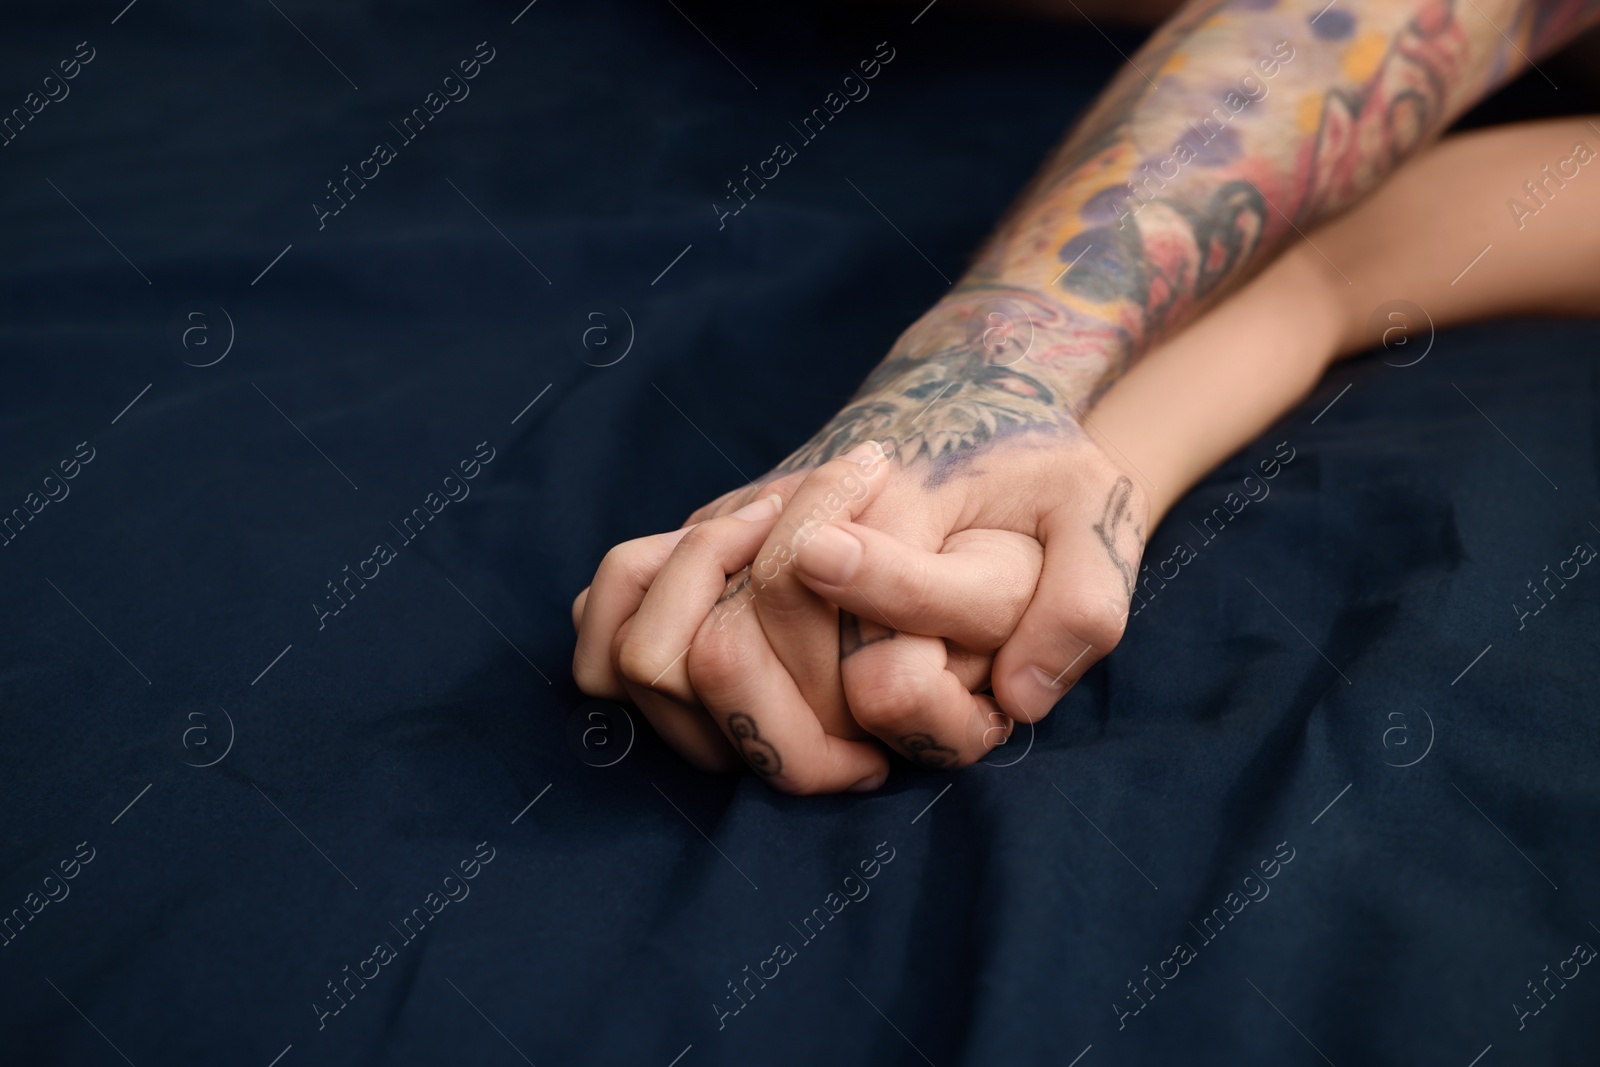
(1200, 396)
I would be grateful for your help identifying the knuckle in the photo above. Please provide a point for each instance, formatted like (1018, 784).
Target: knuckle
(914, 583)
(771, 569)
(638, 663)
(887, 701)
(784, 605)
(845, 477)
(831, 473)
(716, 662)
(624, 563)
(1099, 621)
(700, 542)
(594, 675)
(590, 679)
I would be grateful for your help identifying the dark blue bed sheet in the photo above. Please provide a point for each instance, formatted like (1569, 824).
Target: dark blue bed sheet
(1334, 798)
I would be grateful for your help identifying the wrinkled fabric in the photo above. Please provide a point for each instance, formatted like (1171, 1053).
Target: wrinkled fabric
(287, 684)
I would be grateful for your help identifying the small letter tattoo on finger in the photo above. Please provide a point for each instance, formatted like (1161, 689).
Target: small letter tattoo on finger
(924, 751)
(756, 750)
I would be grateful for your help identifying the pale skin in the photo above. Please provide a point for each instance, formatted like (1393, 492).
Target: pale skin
(1055, 458)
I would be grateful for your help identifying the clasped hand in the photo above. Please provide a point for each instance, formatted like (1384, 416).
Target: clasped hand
(869, 590)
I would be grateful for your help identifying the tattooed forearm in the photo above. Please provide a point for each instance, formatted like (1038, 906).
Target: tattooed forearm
(1239, 122)
(1239, 125)
(756, 750)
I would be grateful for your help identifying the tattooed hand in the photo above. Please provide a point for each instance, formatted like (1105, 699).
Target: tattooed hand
(977, 408)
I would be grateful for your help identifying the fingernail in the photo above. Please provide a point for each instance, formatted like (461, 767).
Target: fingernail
(765, 508)
(830, 555)
(1036, 690)
(867, 785)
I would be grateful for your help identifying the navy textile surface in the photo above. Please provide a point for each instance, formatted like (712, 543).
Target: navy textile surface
(225, 786)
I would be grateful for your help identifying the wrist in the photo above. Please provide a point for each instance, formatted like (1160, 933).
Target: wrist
(985, 364)
(988, 362)
(1031, 332)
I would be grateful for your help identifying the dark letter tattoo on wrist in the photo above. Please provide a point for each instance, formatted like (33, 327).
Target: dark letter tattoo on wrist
(757, 750)
(1117, 515)
(924, 751)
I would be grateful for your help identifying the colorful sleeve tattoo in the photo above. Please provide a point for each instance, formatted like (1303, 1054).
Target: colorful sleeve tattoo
(1239, 125)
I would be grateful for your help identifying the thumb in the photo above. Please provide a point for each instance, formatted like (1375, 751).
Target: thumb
(1080, 608)
(973, 592)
